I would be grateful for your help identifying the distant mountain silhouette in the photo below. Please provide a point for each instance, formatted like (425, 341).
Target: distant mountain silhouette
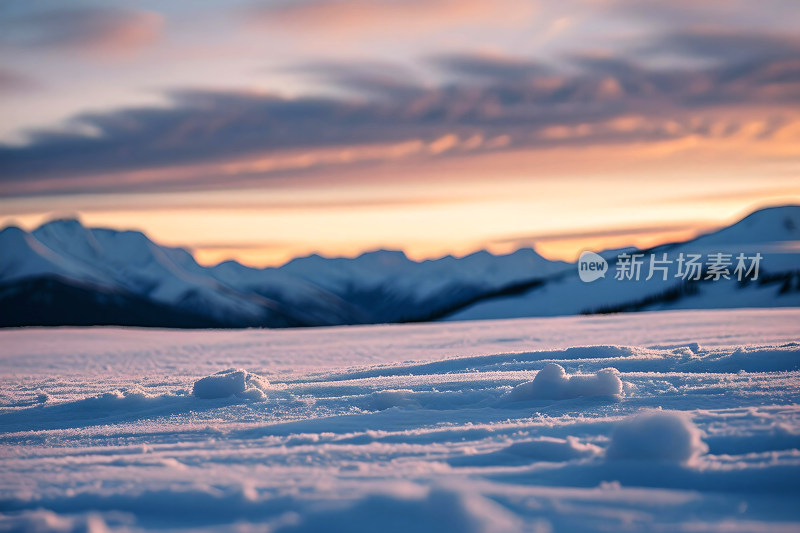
(63, 273)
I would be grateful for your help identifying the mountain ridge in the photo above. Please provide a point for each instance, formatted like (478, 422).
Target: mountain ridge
(374, 287)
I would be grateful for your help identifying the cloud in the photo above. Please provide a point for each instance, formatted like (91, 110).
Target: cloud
(514, 104)
(233, 246)
(606, 64)
(584, 234)
(386, 16)
(492, 67)
(370, 78)
(736, 195)
(725, 44)
(102, 30)
(12, 81)
(769, 15)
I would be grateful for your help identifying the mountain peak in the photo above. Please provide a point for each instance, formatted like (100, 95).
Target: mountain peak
(68, 236)
(13, 230)
(385, 255)
(770, 224)
(62, 223)
(529, 251)
(785, 216)
(64, 230)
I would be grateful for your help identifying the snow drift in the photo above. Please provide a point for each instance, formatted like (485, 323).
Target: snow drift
(553, 383)
(231, 382)
(657, 435)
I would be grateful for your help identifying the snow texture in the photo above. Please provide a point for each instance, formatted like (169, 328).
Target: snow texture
(407, 427)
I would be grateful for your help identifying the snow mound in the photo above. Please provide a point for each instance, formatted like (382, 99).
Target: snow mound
(231, 382)
(668, 436)
(553, 383)
(438, 510)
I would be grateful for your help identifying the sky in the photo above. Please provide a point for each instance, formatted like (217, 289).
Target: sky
(264, 130)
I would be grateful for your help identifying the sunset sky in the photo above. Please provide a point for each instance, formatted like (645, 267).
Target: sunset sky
(265, 130)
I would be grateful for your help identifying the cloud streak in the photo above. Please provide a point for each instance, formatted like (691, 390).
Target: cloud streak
(96, 30)
(584, 234)
(491, 102)
(725, 44)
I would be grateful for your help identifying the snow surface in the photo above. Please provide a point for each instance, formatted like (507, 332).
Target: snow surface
(670, 421)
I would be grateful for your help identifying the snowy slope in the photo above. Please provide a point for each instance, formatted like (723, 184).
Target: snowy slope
(674, 421)
(129, 259)
(773, 232)
(769, 225)
(24, 256)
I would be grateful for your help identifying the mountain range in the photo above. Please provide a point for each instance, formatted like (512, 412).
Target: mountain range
(63, 273)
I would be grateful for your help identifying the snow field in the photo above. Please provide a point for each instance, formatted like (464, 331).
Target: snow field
(495, 426)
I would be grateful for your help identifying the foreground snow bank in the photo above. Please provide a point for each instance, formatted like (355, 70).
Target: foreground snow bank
(553, 383)
(231, 382)
(657, 435)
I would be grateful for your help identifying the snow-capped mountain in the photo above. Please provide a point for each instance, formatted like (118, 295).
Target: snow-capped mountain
(47, 273)
(65, 273)
(774, 233)
(124, 262)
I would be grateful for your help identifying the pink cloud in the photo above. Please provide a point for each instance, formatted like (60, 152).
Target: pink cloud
(407, 16)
